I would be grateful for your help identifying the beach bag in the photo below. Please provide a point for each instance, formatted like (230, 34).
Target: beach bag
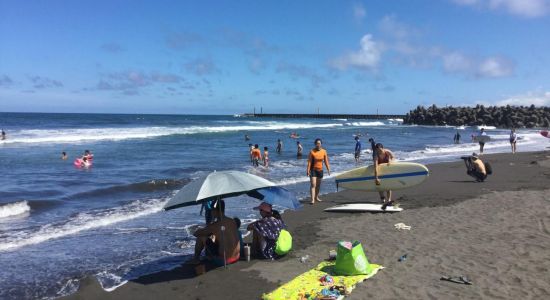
(488, 168)
(351, 259)
(284, 243)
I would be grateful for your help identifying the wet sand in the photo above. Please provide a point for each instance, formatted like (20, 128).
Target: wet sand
(497, 233)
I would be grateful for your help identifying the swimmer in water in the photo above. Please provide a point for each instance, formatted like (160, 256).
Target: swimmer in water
(300, 149)
(256, 156)
(246, 137)
(266, 157)
(3, 134)
(279, 146)
(64, 155)
(88, 155)
(250, 149)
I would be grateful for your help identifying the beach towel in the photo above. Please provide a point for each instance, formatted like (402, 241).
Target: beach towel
(310, 284)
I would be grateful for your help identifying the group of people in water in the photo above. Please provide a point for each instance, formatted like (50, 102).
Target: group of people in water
(84, 161)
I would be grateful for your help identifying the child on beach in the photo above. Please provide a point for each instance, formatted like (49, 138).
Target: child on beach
(266, 157)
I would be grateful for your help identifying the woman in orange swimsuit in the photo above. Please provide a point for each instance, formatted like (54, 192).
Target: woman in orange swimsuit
(317, 156)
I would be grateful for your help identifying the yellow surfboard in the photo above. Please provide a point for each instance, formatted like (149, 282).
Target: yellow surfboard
(395, 176)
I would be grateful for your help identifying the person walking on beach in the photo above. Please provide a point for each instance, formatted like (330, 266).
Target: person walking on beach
(256, 156)
(513, 140)
(481, 141)
(279, 146)
(300, 149)
(382, 156)
(456, 139)
(357, 149)
(317, 156)
(266, 157)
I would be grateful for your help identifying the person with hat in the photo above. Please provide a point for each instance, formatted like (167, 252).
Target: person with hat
(475, 167)
(265, 232)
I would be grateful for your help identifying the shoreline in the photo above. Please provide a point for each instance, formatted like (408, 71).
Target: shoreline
(447, 190)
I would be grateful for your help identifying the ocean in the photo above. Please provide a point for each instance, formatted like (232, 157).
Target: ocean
(59, 223)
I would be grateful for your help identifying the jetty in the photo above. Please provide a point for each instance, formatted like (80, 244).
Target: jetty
(324, 116)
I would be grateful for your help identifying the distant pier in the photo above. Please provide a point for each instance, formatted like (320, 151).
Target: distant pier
(325, 116)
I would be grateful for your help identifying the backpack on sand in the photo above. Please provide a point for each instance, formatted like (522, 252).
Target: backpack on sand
(284, 243)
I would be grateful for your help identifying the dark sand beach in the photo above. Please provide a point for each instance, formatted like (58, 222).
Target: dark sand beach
(496, 233)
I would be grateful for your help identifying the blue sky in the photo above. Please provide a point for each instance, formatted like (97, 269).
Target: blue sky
(225, 57)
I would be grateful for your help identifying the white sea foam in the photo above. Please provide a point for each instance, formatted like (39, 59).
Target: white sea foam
(80, 222)
(396, 120)
(365, 124)
(13, 209)
(485, 127)
(97, 134)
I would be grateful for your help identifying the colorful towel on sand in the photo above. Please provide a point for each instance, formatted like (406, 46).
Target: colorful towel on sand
(308, 285)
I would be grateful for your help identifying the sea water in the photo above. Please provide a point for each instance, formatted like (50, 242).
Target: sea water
(59, 223)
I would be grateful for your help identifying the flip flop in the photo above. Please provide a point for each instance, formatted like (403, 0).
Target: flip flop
(457, 279)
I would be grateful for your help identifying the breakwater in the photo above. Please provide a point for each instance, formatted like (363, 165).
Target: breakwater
(326, 116)
(499, 116)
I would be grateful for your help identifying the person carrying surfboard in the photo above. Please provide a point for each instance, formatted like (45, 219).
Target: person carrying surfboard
(481, 141)
(317, 156)
(382, 156)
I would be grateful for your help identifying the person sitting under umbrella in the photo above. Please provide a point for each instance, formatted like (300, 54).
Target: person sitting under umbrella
(265, 232)
(219, 240)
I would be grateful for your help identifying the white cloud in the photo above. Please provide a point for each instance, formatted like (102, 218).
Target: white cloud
(455, 62)
(368, 57)
(523, 8)
(538, 98)
(359, 12)
(495, 67)
(489, 67)
(389, 25)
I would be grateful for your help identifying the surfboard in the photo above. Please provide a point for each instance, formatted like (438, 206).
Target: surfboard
(362, 207)
(396, 176)
(482, 138)
(545, 133)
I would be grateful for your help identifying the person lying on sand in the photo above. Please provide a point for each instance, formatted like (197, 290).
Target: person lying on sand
(475, 167)
(219, 240)
(265, 232)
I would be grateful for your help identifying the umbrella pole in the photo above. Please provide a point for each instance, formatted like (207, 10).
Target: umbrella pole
(223, 233)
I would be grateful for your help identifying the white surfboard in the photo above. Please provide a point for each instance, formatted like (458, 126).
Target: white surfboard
(482, 138)
(396, 176)
(362, 207)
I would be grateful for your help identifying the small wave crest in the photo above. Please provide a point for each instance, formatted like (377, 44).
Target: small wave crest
(80, 222)
(72, 135)
(139, 187)
(14, 209)
(363, 124)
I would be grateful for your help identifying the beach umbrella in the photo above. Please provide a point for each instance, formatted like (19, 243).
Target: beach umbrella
(225, 184)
